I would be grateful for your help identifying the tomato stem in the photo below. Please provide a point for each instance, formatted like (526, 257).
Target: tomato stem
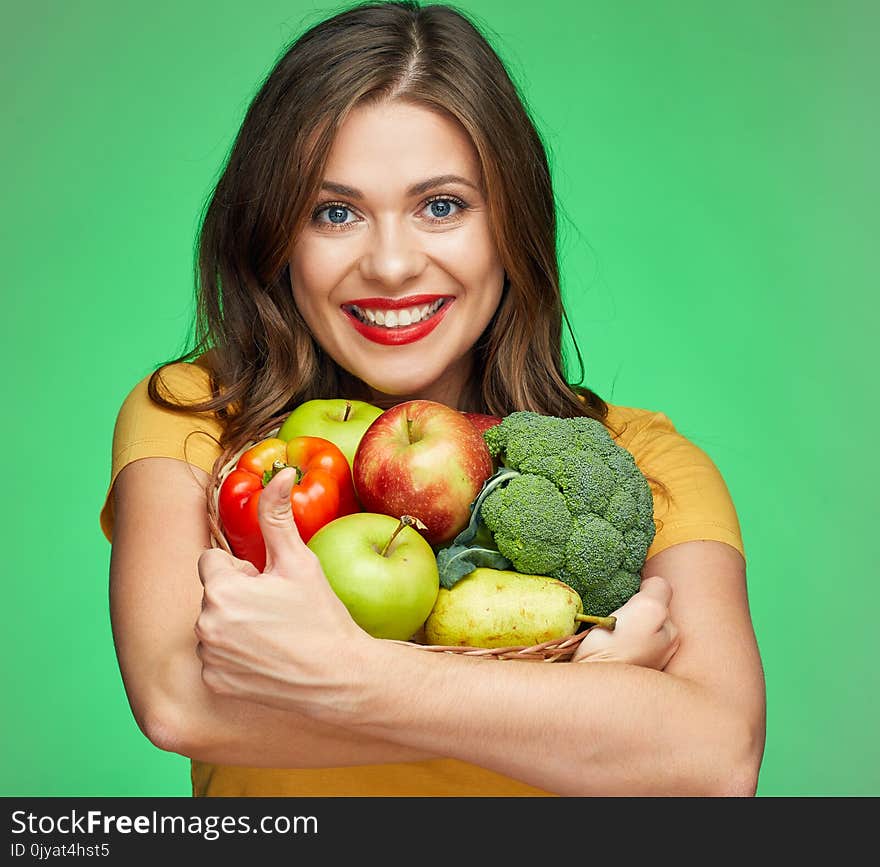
(277, 467)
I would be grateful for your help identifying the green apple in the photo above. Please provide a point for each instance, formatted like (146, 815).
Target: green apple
(339, 420)
(382, 569)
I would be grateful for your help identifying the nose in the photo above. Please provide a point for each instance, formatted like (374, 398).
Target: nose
(393, 255)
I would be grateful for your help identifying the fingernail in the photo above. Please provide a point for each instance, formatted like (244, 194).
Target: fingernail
(286, 484)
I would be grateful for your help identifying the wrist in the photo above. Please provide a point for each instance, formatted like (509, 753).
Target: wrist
(368, 689)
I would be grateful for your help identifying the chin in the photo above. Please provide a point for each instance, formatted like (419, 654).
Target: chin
(402, 387)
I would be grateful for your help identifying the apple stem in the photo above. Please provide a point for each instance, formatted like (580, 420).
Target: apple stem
(347, 410)
(604, 622)
(405, 521)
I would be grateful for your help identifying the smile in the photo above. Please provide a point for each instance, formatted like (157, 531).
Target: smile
(396, 321)
(396, 318)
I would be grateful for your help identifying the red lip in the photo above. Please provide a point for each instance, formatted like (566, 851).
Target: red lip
(402, 334)
(396, 303)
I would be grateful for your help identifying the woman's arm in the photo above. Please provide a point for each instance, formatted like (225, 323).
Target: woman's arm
(695, 728)
(160, 530)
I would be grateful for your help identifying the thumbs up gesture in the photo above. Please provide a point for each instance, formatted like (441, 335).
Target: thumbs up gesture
(273, 637)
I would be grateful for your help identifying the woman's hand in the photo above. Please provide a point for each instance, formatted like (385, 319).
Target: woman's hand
(643, 635)
(280, 637)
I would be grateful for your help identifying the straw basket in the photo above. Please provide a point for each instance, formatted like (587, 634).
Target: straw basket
(557, 650)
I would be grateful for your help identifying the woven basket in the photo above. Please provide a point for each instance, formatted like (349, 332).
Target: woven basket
(557, 650)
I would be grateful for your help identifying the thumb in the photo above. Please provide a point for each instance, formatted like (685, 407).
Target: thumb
(284, 545)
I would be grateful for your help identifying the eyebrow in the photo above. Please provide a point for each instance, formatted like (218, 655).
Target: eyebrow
(415, 190)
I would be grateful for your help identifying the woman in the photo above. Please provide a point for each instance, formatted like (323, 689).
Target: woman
(388, 156)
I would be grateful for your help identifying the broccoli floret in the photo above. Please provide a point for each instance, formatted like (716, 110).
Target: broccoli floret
(596, 560)
(581, 510)
(587, 481)
(530, 522)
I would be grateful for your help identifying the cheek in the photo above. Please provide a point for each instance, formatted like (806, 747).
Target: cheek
(315, 268)
(473, 260)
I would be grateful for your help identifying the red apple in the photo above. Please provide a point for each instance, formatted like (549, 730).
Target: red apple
(425, 459)
(482, 421)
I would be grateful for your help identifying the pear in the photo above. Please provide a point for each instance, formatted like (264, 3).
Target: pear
(496, 608)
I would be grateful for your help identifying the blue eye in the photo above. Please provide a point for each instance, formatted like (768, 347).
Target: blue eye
(440, 208)
(444, 207)
(333, 214)
(337, 214)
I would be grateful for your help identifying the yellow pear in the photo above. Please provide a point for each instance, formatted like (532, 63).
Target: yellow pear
(496, 608)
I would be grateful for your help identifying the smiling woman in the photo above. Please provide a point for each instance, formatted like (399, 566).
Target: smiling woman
(384, 230)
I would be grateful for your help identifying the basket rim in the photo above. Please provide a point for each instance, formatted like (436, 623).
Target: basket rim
(556, 649)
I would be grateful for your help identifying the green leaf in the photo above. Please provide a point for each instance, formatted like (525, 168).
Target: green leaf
(472, 547)
(456, 561)
(469, 533)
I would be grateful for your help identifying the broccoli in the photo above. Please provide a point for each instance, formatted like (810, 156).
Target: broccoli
(536, 547)
(567, 502)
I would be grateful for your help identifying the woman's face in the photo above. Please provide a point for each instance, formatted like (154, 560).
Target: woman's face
(396, 273)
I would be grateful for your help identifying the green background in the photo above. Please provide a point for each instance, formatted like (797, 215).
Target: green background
(716, 168)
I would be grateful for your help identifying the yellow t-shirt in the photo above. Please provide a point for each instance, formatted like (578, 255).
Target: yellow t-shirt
(695, 505)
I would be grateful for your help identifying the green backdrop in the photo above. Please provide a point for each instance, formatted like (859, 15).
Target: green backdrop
(716, 167)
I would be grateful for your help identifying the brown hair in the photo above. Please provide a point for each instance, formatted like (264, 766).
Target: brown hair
(249, 333)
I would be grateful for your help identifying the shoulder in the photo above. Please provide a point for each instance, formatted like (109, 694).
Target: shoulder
(145, 429)
(651, 436)
(628, 423)
(143, 420)
(179, 382)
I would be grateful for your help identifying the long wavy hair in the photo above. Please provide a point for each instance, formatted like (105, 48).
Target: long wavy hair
(248, 332)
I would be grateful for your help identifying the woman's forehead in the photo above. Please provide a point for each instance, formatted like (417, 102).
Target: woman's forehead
(402, 146)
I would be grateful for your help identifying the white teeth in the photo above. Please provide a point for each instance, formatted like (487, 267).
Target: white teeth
(397, 318)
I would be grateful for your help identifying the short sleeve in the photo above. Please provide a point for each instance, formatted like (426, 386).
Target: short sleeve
(691, 499)
(144, 430)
